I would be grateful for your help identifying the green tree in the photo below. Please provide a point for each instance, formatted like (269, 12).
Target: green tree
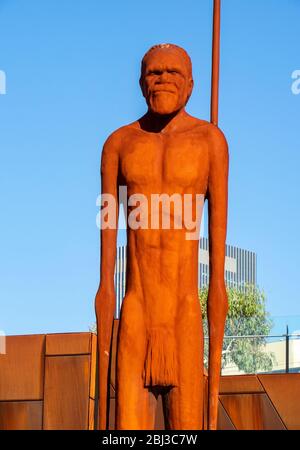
(247, 316)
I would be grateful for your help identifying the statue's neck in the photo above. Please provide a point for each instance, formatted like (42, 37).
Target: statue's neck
(157, 123)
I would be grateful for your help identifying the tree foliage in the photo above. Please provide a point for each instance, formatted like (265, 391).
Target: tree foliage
(247, 316)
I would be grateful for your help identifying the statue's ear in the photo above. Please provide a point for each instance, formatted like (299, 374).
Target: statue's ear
(190, 89)
(142, 85)
(191, 86)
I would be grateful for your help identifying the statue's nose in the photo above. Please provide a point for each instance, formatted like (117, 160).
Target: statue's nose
(164, 77)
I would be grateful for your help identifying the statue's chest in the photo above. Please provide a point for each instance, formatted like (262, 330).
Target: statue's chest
(179, 160)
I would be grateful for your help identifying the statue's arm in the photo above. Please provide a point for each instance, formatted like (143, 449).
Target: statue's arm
(217, 305)
(105, 297)
(109, 188)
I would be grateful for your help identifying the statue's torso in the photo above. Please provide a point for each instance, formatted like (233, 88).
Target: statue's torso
(162, 263)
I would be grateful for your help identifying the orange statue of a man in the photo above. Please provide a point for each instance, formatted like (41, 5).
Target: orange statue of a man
(160, 340)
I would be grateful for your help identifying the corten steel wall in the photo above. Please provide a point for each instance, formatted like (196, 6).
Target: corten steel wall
(49, 381)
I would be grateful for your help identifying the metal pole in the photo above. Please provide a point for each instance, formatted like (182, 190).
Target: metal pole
(215, 74)
(287, 351)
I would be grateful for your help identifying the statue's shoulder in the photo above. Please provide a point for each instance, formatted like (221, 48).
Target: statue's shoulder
(214, 136)
(205, 128)
(218, 147)
(211, 130)
(115, 139)
(212, 133)
(123, 131)
(198, 122)
(194, 123)
(117, 134)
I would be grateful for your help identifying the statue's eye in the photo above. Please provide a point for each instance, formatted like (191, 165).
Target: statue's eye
(154, 72)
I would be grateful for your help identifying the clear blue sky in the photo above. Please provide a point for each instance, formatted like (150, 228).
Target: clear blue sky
(72, 71)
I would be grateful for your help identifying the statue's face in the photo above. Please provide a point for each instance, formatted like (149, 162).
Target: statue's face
(166, 81)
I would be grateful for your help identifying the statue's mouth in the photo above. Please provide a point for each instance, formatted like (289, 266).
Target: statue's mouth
(168, 91)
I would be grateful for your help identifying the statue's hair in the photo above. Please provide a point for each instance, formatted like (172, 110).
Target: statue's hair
(166, 47)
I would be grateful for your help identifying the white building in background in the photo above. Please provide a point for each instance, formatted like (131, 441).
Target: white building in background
(279, 350)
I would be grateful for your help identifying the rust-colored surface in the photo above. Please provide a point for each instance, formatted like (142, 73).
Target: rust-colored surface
(68, 344)
(205, 402)
(22, 368)
(91, 414)
(241, 384)
(114, 355)
(21, 415)
(160, 339)
(159, 415)
(68, 393)
(224, 421)
(251, 412)
(93, 370)
(64, 385)
(112, 413)
(112, 392)
(284, 392)
(215, 73)
(66, 396)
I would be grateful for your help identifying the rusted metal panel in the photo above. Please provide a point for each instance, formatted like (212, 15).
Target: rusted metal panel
(239, 384)
(66, 399)
(251, 412)
(70, 388)
(284, 392)
(68, 344)
(224, 421)
(22, 368)
(16, 415)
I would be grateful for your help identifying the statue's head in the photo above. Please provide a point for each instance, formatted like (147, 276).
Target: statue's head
(166, 78)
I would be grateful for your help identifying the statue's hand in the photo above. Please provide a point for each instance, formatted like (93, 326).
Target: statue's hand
(104, 305)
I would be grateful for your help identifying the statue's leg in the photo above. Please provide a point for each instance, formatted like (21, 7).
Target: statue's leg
(183, 404)
(135, 408)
